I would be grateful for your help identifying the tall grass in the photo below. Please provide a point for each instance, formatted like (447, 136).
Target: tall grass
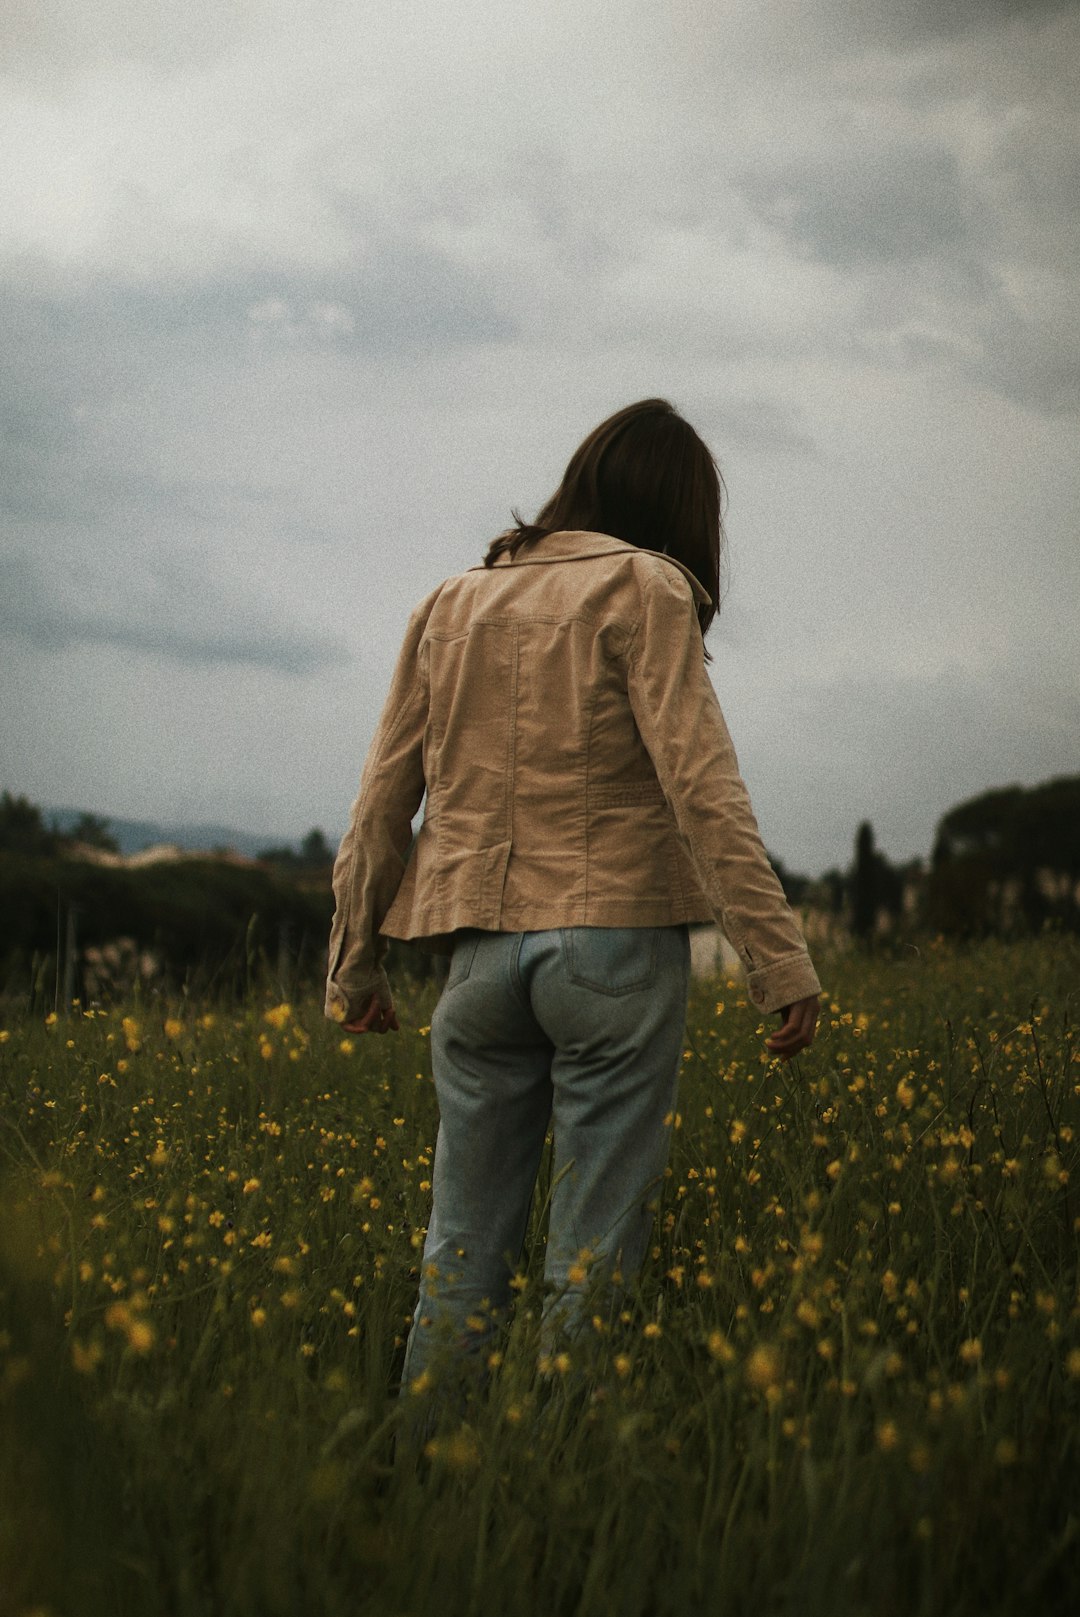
(849, 1380)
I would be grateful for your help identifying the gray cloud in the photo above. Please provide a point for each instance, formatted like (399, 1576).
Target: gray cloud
(404, 296)
(49, 474)
(908, 21)
(956, 264)
(893, 203)
(148, 614)
(1033, 360)
(405, 299)
(57, 467)
(65, 37)
(758, 425)
(845, 28)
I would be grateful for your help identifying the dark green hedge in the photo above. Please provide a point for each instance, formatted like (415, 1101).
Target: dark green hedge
(210, 925)
(203, 920)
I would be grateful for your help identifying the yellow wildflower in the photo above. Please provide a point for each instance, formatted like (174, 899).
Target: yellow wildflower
(459, 1450)
(720, 1348)
(140, 1336)
(886, 1435)
(764, 1367)
(86, 1356)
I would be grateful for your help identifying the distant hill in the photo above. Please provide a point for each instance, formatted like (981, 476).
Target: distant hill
(132, 836)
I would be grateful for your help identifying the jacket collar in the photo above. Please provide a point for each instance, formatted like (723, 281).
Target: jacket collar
(578, 545)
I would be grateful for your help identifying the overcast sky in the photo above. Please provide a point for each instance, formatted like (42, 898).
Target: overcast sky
(297, 301)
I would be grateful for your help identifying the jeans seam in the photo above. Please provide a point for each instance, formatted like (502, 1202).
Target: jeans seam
(516, 983)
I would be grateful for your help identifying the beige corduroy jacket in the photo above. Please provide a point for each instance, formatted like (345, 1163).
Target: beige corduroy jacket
(557, 711)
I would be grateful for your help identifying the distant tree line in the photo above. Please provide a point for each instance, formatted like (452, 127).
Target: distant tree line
(1006, 862)
(71, 927)
(23, 830)
(314, 853)
(204, 920)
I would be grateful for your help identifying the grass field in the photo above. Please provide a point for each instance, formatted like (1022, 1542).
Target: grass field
(850, 1382)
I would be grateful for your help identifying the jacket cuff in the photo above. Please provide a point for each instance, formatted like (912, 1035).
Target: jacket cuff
(345, 1005)
(784, 981)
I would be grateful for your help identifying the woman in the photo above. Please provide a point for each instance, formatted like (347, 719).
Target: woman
(584, 806)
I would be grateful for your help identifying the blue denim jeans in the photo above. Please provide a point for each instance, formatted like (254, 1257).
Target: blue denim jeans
(580, 1028)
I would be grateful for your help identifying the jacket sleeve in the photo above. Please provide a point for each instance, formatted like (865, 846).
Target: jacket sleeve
(374, 851)
(680, 721)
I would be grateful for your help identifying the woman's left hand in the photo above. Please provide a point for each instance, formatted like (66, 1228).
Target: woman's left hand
(797, 1032)
(376, 1019)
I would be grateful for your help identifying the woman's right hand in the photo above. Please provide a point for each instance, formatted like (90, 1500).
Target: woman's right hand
(797, 1031)
(376, 1019)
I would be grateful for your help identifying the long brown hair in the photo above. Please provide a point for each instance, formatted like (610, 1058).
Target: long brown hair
(643, 476)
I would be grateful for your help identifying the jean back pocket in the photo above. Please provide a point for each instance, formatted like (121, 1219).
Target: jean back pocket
(611, 960)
